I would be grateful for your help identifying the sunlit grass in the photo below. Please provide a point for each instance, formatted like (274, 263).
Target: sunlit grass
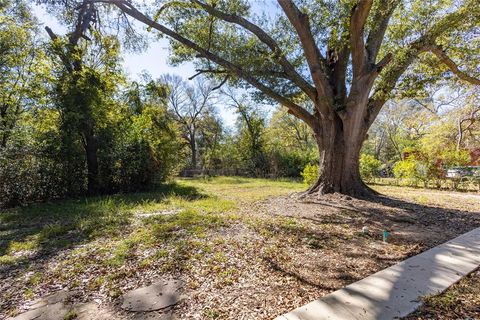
(168, 229)
(438, 198)
(179, 212)
(187, 225)
(244, 189)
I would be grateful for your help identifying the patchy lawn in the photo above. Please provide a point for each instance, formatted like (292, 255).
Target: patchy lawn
(245, 248)
(461, 301)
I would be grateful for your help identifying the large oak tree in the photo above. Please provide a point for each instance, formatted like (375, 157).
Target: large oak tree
(348, 57)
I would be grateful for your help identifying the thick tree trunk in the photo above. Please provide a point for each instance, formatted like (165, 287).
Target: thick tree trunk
(91, 150)
(339, 154)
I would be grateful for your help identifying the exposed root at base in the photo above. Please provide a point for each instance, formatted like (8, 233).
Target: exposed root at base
(363, 192)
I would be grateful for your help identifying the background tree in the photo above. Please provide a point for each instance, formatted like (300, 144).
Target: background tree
(48, 106)
(457, 124)
(399, 126)
(418, 138)
(23, 67)
(290, 144)
(148, 136)
(210, 137)
(290, 131)
(87, 80)
(347, 57)
(251, 132)
(189, 104)
(80, 88)
(468, 122)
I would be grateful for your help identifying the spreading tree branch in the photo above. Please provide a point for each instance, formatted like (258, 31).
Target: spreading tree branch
(221, 83)
(297, 110)
(383, 62)
(60, 53)
(300, 22)
(202, 71)
(357, 44)
(390, 79)
(380, 19)
(404, 58)
(266, 39)
(444, 58)
(86, 16)
(472, 118)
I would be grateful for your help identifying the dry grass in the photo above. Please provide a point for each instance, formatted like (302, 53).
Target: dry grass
(245, 249)
(461, 301)
(438, 198)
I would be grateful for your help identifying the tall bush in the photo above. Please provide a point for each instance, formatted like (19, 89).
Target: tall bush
(310, 174)
(405, 169)
(369, 167)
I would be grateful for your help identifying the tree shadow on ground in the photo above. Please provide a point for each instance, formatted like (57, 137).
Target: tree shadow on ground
(96, 217)
(40, 231)
(452, 221)
(395, 293)
(332, 227)
(277, 267)
(468, 188)
(390, 212)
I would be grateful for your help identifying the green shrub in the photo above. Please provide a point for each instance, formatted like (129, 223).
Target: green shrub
(454, 158)
(284, 163)
(310, 174)
(404, 169)
(144, 149)
(369, 166)
(413, 171)
(28, 175)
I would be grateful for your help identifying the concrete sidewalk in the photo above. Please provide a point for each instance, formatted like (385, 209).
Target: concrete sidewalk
(396, 291)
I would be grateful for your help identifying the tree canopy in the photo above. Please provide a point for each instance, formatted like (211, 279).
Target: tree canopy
(346, 57)
(327, 68)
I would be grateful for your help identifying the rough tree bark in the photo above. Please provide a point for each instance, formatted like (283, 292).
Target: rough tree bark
(341, 117)
(339, 162)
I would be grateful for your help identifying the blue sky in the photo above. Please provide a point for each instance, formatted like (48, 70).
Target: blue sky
(154, 60)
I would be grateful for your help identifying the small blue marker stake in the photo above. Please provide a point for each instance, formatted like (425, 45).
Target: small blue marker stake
(385, 235)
